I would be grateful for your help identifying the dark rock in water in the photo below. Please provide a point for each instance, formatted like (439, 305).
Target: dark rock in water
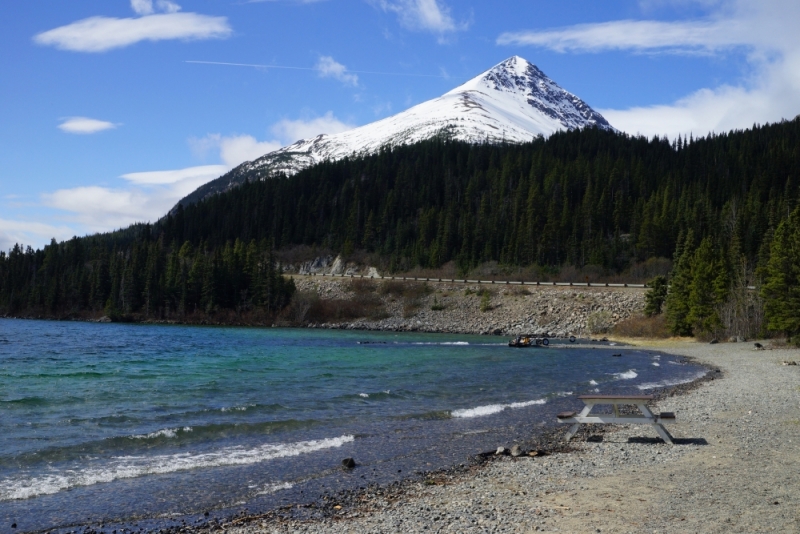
(616, 355)
(497, 332)
(349, 463)
(516, 450)
(714, 341)
(13, 525)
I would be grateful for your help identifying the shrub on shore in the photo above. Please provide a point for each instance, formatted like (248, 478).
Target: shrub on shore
(642, 326)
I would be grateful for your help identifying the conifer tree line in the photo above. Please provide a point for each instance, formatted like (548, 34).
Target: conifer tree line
(582, 198)
(142, 276)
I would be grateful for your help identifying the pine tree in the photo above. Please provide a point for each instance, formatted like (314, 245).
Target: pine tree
(655, 296)
(704, 290)
(781, 290)
(680, 286)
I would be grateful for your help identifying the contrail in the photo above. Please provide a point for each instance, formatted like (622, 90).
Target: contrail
(311, 68)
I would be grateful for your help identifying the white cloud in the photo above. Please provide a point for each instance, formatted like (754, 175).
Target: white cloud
(327, 67)
(630, 34)
(765, 31)
(240, 148)
(149, 197)
(422, 15)
(236, 149)
(142, 7)
(99, 34)
(168, 7)
(30, 233)
(84, 125)
(172, 177)
(290, 131)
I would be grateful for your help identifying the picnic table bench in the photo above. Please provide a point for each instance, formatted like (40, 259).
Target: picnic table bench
(646, 417)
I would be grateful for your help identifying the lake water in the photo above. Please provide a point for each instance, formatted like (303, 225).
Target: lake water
(151, 424)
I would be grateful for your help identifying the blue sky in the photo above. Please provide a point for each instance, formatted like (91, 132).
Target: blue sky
(114, 109)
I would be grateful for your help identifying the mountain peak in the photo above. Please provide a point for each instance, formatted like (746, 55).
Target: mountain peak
(512, 102)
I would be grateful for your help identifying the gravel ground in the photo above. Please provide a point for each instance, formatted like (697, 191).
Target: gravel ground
(734, 468)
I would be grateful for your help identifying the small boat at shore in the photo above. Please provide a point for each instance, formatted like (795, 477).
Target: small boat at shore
(523, 342)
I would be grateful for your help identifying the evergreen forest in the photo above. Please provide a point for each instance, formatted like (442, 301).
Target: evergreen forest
(722, 207)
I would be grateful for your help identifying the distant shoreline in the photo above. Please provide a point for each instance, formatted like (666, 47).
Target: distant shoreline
(453, 308)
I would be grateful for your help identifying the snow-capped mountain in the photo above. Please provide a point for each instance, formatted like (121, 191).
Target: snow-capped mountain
(513, 101)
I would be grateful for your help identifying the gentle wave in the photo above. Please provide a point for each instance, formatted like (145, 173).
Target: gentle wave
(165, 433)
(460, 343)
(274, 488)
(627, 375)
(26, 401)
(136, 466)
(237, 408)
(668, 383)
(490, 409)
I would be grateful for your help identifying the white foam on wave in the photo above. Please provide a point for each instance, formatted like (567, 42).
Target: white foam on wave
(673, 382)
(592, 383)
(164, 433)
(490, 409)
(657, 364)
(365, 395)
(441, 343)
(237, 408)
(137, 466)
(627, 375)
(274, 488)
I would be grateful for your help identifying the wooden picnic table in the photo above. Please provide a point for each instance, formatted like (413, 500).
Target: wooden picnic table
(646, 417)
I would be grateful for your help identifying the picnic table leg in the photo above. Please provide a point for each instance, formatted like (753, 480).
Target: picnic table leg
(662, 432)
(574, 428)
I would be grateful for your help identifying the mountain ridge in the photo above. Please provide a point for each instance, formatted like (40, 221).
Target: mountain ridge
(514, 102)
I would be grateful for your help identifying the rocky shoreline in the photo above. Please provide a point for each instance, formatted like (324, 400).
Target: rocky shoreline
(480, 309)
(733, 469)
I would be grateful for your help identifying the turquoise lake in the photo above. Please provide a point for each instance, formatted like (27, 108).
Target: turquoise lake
(114, 423)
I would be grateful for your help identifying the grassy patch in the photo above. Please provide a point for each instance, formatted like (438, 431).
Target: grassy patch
(486, 302)
(437, 306)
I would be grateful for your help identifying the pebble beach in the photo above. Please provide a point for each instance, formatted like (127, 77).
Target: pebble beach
(734, 468)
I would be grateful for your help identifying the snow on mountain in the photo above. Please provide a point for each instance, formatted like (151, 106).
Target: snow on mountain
(513, 101)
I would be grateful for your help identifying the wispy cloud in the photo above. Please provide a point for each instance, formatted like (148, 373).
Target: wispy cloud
(422, 15)
(632, 35)
(32, 233)
(286, 1)
(84, 125)
(99, 34)
(290, 131)
(327, 67)
(146, 197)
(765, 32)
(146, 7)
(236, 149)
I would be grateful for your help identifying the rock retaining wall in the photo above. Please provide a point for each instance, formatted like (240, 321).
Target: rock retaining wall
(510, 310)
